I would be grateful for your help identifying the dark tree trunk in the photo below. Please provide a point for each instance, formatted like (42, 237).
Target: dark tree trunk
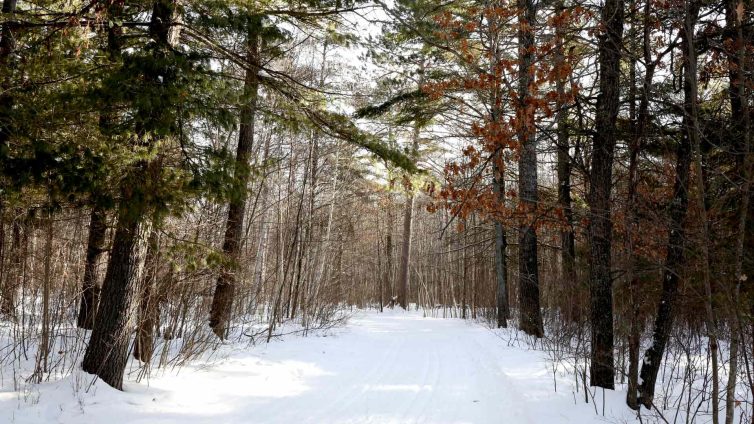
(740, 43)
(408, 220)
(635, 147)
(602, 371)
(107, 352)
(94, 249)
(498, 185)
(501, 246)
(571, 310)
(222, 301)
(674, 260)
(528, 271)
(149, 311)
(567, 239)
(389, 254)
(13, 276)
(90, 291)
(736, 22)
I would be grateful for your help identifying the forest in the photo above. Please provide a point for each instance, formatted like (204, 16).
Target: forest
(179, 177)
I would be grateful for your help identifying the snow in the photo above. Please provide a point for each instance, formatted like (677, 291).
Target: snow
(395, 367)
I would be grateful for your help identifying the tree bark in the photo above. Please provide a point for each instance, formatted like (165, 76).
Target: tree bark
(149, 312)
(94, 249)
(610, 43)
(107, 352)
(528, 270)
(13, 275)
(222, 300)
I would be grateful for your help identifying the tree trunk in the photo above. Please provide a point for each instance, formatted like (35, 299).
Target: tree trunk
(222, 300)
(635, 147)
(528, 271)
(43, 354)
(149, 312)
(674, 260)
(107, 352)
(567, 239)
(408, 218)
(602, 370)
(501, 245)
(691, 11)
(389, 252)
(13, 275)
(94, 249)
(736, 21)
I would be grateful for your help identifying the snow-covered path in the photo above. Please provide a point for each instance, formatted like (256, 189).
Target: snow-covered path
(382, 368)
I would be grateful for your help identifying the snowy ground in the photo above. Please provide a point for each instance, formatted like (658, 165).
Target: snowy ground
(381, 368)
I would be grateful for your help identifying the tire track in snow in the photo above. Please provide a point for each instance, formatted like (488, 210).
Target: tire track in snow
(347, 393)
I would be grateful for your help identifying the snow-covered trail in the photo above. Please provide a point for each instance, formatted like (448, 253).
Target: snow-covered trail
(381, 368)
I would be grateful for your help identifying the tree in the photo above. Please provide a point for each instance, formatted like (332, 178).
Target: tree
(674, 261)
(528, 270)
(107, 352)
(610, 47)
(223, 297)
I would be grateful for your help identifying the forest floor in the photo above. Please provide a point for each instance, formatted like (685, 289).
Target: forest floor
(395, 367)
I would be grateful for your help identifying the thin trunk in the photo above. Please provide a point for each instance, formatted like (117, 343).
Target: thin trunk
(567, 239)
(44, 344)
(691, 12)
(734, 20)
(498, 184)
(501, 245)
(602, 371)
(528, 270)
(635, 147)
(98, 218)
(463, 241)
(222, 301)
(674, 261)
(408, 217)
